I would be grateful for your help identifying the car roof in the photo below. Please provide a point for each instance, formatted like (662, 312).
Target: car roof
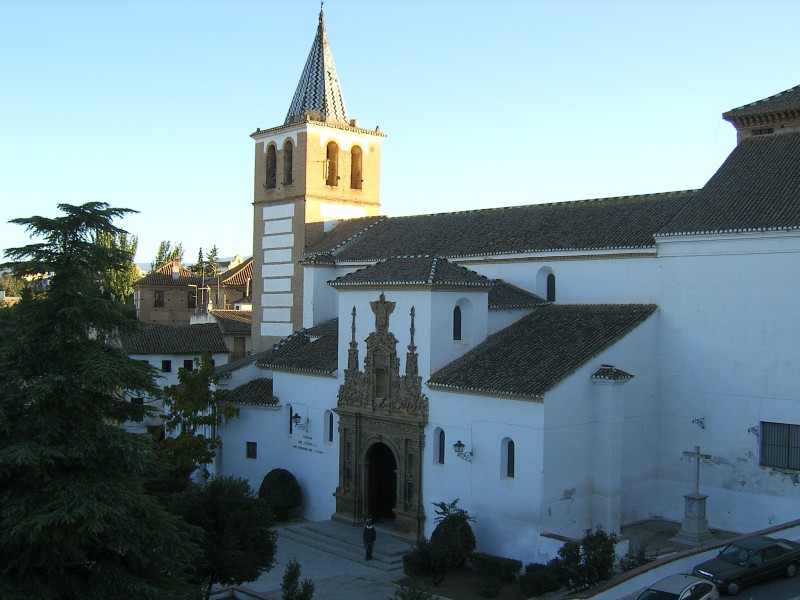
(755, 542)
(676, 583)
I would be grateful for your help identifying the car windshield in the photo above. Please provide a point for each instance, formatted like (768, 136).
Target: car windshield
(735, 555)
(657, 595)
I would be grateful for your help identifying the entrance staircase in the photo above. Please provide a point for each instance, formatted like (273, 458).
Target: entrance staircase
(345, 542)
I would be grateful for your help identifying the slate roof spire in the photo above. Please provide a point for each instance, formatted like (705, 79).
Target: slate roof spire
(318, 92)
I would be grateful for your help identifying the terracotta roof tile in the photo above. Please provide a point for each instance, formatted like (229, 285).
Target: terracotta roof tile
(429, 271)
(176, 339)
(163, 276)
(238, 275)
(504, 295)
(612, 223)
(786, 101)
(530, 357)
(257, 392)
(756, 189)
(234, 321)
(314, 350)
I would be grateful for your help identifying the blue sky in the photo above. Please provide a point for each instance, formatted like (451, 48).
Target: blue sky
(149, 104)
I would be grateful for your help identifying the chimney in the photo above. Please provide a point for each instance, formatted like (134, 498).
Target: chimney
(176, 270)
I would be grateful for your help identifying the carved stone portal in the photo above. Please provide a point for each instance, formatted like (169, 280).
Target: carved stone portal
(382, 418)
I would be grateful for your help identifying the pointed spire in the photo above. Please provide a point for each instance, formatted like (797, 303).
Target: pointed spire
(318, 92)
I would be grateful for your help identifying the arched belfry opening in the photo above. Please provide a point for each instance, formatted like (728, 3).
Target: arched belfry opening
(382, 418)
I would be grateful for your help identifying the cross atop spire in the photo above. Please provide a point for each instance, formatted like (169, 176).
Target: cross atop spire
(318, 94)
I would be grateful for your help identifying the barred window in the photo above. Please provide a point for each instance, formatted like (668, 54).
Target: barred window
(780, 445)
(251, 450)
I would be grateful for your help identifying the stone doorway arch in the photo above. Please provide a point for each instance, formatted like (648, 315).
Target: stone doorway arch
(380, 482)
(382, 418)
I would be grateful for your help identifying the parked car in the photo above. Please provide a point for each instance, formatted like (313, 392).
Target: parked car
(681, 587)
(749, 560)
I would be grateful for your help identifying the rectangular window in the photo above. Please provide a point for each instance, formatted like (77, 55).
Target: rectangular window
(188, 364)
(166, 366)
(193, 299)
(139, 403)
(252, 450)
(158, 299)
(780, 445)
(764, 131)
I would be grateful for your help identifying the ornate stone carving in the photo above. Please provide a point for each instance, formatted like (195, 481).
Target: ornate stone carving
(380, 405)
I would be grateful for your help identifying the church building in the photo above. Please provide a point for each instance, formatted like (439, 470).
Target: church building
(548, 365)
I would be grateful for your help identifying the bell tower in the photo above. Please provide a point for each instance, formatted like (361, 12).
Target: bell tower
(313, 171)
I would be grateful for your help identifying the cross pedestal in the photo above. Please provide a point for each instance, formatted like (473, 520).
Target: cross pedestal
(694, 529)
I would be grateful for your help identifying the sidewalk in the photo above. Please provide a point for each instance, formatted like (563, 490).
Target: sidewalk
(340, 576)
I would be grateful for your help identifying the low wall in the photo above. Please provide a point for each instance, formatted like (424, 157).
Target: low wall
(680, 562)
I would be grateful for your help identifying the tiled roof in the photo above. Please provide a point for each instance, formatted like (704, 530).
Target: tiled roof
(504, 295)
(530, 357)
(612, 223)
(318, 90)
(257, 392)
(234, 321)
(243, 362)
(341, 234)
(756, 189)
(611, 373)
(238, 275)
(314, 350)
(176, 339)
(429, 271)
(163, 276)
(783, 102)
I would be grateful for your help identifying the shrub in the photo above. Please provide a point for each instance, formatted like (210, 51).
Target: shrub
(291, 588)
(635, 557)
(425, 559)
(580, 565)
(453, 535)
(407, 593)
(281, 492)
(538, 579)
(504, 569)
(490, 587)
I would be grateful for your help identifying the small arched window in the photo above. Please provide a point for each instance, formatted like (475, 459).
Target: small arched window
(440, 447)
(332, 164)
(457, 323)
(272, 167)
(355, 168)
(508, 458)
(551, 288)
(288, 151)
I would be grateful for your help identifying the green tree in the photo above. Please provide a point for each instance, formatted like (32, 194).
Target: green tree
(212, 262)
(280, 491)
(118, 282)
(193, 409)
(12, 285)
(238, 544)
(166, 252)
(291, 588)
(76, 520)
(199, 267)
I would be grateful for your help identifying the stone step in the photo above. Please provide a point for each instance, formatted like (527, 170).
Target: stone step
(346, 542)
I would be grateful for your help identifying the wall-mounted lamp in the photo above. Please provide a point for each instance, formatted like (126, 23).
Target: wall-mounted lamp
(753, 430)
(458, 447)
(296, 419)
(701, 422)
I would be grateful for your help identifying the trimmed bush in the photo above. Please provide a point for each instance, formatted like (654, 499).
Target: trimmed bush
(538, 579)
(407, 593)
(453, 535)
(281, 492)
(504, 569)
(425, 559)
(636, 557)
(584, 564)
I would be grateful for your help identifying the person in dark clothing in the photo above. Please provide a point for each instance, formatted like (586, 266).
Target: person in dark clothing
(369, 538)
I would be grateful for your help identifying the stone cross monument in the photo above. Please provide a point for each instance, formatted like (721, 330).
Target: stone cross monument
(694, 529)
